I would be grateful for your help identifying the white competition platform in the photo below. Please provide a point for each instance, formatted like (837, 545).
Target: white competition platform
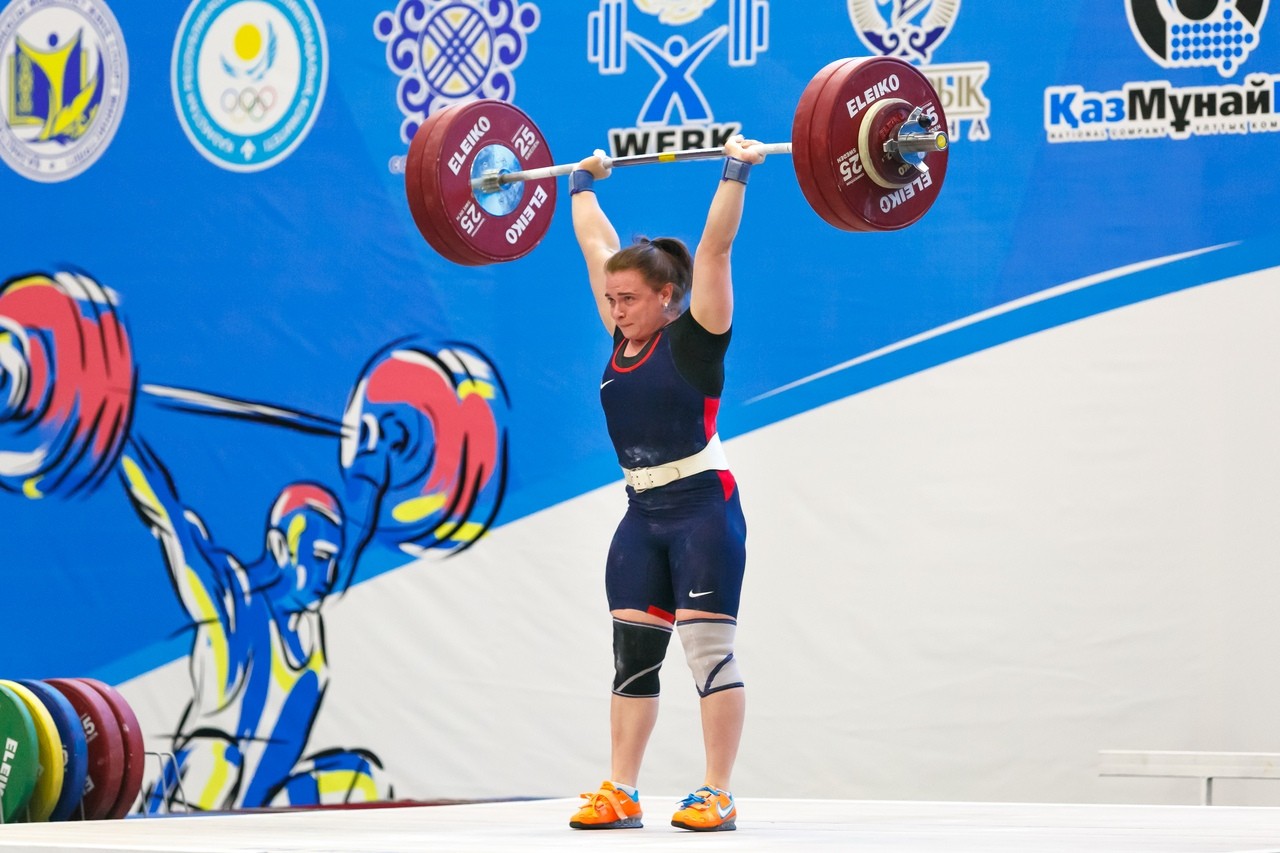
(765, 824)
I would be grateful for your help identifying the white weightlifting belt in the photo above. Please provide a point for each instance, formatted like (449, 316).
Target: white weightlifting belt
(709, 458)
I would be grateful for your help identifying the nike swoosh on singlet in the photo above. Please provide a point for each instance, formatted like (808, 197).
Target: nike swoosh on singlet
(604, 383)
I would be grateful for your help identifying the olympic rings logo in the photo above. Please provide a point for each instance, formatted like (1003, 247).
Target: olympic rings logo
(251, 103)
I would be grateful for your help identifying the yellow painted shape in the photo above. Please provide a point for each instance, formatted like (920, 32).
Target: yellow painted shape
(211, 796)
(342, 781)
(468, 532)
(475, 386)
(416, 509)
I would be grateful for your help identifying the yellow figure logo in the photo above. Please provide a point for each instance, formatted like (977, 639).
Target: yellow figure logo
(54, 89)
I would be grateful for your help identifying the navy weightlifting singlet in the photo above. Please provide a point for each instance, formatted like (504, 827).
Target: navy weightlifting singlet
(681, 545)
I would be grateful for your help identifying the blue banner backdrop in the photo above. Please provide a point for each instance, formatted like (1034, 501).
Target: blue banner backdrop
(221, 179)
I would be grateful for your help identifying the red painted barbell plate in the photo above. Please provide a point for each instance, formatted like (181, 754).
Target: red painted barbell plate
(853, 88)
(76, 421)
(424, 203)
(135, 750)
(514, 231)
(809, 148)
(105, 744)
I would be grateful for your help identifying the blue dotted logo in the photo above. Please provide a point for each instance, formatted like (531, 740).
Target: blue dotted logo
(1198, 33)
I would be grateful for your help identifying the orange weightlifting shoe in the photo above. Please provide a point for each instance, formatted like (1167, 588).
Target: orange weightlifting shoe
(706, 810)
(608, 808)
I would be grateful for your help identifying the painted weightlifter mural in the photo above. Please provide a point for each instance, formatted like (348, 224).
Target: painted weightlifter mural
(422, 450)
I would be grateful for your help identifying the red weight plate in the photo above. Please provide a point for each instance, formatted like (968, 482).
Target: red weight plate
(830, 108)
(451, 232)
(424, 202)
(447, 243)
(105, 744)
(810, 148)
(854, 90)
(500, 226)
(135, 750)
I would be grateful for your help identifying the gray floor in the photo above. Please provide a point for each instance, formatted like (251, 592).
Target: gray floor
(765, 824)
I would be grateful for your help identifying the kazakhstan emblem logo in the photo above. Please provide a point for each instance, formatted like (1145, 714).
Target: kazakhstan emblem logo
(63, 81)
(446, 52)
(249, 77)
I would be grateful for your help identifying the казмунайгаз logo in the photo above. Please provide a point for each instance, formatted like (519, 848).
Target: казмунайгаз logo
(64, 77)
(1197, 33)
(1176, 34)
(912, 30)
(248, 79)
(447, 51)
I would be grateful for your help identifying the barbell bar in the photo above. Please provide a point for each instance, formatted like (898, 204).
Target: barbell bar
(910, 145)
(492, 180)
(868, 144)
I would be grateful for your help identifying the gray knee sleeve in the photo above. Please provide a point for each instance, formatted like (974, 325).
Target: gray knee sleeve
(708, 646)
(638, 650)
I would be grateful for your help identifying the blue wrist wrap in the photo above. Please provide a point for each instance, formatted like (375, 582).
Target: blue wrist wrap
(580, 180)
(735, 170)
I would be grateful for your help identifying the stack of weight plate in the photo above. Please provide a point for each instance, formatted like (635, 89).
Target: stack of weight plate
(70, 749)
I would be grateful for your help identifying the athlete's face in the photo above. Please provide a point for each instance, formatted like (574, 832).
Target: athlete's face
(637, 309)
(313, 542)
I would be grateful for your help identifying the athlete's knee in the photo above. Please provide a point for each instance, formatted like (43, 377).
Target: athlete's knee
(708, 647)
(638, 651)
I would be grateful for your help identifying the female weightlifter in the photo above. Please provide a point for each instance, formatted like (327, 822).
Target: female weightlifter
(678, 555)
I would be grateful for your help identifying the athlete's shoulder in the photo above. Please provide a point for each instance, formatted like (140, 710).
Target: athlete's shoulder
(687, 324)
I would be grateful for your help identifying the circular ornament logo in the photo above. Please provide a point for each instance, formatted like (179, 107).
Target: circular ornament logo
(64, 78)
(249, 77)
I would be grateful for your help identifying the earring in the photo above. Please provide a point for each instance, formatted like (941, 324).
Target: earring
(664, 305)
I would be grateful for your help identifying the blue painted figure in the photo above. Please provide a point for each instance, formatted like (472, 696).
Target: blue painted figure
(258, 665)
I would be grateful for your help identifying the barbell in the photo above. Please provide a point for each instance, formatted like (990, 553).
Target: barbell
(422, 439)
(868, 142)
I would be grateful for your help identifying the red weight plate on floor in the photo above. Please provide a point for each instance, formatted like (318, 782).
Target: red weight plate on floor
(49, 778)
(19, 755)
(483, 136)
(105, 744)
(810, 148)
(135, 749)
(424, 199)
(854, 91)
